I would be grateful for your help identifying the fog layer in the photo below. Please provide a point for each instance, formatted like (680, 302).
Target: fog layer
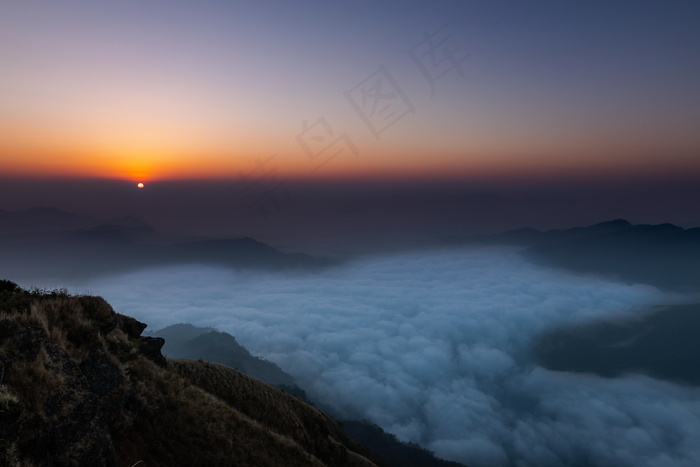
(436, 348)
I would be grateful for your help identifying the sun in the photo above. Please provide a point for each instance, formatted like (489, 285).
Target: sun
(140, 185)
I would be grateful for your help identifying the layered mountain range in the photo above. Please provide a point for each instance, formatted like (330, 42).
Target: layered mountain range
(663, 255)
(53, 243)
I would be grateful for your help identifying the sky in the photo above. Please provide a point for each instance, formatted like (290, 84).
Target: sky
(312, 92)
(316, 125)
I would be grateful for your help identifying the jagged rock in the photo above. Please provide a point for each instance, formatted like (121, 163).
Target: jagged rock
(132, 327)
(150, 348)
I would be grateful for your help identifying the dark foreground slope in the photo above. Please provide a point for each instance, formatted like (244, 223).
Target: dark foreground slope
(316, 433)
(80, 386)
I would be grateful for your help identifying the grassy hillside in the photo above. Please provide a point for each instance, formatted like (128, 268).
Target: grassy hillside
(309, 428)
(80, 386)
(191, 342)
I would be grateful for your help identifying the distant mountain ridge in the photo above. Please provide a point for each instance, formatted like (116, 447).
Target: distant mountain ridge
(663, 255)
(60, 244)
(533, 237)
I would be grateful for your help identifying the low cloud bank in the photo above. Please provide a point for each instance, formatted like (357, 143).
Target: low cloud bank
(436, 348)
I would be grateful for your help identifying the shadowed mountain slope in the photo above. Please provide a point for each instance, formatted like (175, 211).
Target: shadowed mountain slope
(663, 344)
(387, 445)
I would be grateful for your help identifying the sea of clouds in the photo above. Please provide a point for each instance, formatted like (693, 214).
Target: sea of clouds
(435, 347)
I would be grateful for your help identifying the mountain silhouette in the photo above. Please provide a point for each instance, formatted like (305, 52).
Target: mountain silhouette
(662, 255)
(55, 243)
(662, 344)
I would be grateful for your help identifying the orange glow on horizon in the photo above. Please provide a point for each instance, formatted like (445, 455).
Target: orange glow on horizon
(143, 161)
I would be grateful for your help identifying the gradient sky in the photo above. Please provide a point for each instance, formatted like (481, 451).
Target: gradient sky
(157, 90)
